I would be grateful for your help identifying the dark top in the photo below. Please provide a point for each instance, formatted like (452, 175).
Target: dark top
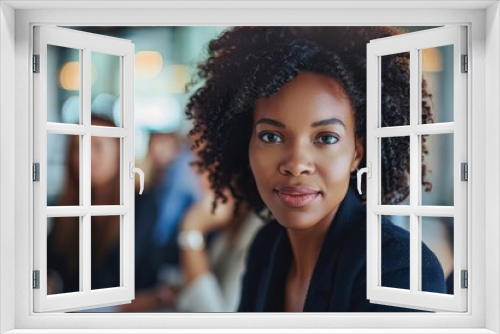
(338, 283)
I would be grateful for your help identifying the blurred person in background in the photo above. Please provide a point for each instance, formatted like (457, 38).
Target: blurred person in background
(212, 272)
(213, 247)
(172, 187)
(62, 255)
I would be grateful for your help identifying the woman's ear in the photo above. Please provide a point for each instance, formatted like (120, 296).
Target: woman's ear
(359, 151)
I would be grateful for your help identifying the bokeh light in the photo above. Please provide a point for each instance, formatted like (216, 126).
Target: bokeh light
(159, 114)
(71, 110)
(148, 64)
(69, 76)
(432, 60)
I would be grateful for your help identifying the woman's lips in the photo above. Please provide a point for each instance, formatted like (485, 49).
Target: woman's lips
(296, 197)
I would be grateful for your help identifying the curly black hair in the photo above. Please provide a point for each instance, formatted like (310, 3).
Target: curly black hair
(246, 64)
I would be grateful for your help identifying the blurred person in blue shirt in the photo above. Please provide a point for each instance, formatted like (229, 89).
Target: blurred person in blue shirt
(171, 189)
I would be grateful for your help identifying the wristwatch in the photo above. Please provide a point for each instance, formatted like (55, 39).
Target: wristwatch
(191, 240)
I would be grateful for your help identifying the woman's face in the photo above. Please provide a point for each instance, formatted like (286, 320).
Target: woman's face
(303, 149)
(163, 148)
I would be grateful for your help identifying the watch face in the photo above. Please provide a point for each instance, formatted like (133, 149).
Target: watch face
(191, 240)
(195, 239)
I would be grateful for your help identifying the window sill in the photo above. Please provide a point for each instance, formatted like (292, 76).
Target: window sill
(260, 331)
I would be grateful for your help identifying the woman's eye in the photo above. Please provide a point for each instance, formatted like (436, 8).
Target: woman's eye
(327, 139)
(270, 137)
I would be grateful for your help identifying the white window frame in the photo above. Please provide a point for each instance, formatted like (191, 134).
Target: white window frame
(85, 44)
(414, 44)
(483, 20)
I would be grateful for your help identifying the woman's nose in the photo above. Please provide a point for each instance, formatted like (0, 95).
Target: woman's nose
(297, 161)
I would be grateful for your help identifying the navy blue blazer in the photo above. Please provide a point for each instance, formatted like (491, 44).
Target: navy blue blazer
(338, 283)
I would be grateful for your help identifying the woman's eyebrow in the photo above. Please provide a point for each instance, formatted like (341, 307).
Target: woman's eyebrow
(329, 121)
(270, 122)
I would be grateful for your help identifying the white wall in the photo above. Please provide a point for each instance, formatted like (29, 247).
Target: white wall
(487, 118)
(7, 188)
(492, 153)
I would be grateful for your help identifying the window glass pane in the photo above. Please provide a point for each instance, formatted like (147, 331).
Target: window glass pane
(437, 169)
(106, 88)
(105, 258)
(437, 235)
(105, 171)
(395, 157)
(395, 253)
(63, 255)
(437, 84)
(63, 170)
(63, 85)
(395, 99)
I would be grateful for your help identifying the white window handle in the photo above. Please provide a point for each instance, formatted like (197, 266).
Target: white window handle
(133, 170)
(366, 170)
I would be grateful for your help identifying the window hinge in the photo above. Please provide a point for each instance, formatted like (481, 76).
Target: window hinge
(36, 172)
(36, 279)
(465, 279)
(464, 172)
(36, 63)
(465, 63)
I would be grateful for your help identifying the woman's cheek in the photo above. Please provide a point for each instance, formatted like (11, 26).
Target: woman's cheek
(256, 166)
(261, 166)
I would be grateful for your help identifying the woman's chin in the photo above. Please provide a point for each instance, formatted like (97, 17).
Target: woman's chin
(295, 222)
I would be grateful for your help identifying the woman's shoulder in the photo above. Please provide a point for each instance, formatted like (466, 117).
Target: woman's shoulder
(258, 259)
(391, 231)
(266, 236)
(251, 225)
(397, 240)
(356, 234)
(396, 259)
(395, 246)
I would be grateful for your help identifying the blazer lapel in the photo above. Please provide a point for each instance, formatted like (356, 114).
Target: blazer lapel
(274, 275)
(323, 282)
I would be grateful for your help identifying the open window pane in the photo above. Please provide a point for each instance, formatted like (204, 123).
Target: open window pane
(105, 259)
(63, 85)
(68, 145)
(105, 178)
(438, 150)
(437, 236)
(394, 113)
(63, 255)
(106, 79)
(63, 170)
(437, 77)
(437, 170)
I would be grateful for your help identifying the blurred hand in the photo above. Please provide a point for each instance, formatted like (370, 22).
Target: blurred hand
(149, 301)
(200, 216)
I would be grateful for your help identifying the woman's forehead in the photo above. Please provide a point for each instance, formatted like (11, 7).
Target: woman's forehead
(308, 96)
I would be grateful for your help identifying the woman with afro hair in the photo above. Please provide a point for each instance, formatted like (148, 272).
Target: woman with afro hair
(280, 122)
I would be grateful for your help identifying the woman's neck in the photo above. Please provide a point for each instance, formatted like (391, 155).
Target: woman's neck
(306, 246)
